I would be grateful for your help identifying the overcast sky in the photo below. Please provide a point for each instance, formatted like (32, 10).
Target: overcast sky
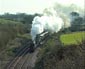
(33, 6)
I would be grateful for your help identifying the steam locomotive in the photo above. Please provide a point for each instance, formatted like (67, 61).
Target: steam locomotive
(39, 41)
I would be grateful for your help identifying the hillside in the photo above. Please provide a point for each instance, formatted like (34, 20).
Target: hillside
(11, 37)
(69, 56)
(9, 30)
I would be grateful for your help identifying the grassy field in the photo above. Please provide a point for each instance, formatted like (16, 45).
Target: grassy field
(72, 38)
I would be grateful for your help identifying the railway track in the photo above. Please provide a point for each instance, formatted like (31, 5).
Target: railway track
(19, 60)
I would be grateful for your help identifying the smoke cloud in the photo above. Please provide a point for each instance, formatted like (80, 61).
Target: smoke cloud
(51, 22)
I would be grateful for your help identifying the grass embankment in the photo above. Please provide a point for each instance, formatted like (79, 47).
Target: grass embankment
(72, 38)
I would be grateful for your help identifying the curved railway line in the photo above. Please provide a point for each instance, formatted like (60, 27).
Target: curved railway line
(25, 60)
(20, 59)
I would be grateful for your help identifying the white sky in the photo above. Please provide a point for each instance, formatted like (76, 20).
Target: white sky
(33, 6)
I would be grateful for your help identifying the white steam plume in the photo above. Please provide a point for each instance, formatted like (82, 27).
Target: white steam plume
(50, 22)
